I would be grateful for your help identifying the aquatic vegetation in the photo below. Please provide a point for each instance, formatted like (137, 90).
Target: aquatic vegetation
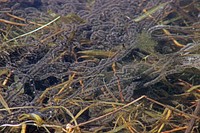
(145, 43)
(174, 63)
(99, 66)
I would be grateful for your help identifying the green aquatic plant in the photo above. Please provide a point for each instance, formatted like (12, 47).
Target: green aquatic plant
(145, 42)
(173, 63)
(150, 12)
(72, 18)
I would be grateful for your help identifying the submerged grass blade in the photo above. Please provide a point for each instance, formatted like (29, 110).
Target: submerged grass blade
(98, 53)
(150, 12)
(32, 116)
(4, 71)
(33, 30)
(80, 112)
(3, 102)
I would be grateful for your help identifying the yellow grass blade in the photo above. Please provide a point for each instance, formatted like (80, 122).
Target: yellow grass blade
(98, 53)
(3, 102)
(150, 12)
